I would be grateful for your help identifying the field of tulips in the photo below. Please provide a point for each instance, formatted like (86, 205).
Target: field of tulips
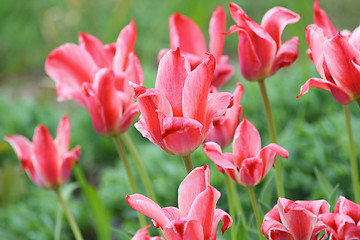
(127, 119)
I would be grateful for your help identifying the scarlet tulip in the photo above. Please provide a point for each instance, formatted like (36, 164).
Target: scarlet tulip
(344, 223)
(196, 218)
(225, 125)
(294, 220)
(142, 234)
(261, 53)
(187, 36)
(177, 114)
(248, 164)
(48, 162)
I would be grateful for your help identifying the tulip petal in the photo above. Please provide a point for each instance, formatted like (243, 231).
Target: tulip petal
(194, 183)
(217, 27)
(183, 229)
(339, 94)
(172, 213)
(251, 171)
(276, 19)
(354, 39)
(63, 135)
(316, 207)
(96, 49)
(286, 55)
(268, 155)
(124, 45)
(172, 72)
(128, 118)
(247, 142)
(272, 227)
(134, 72)
(67, 162)
(213, 151)
(225, 219)
(322, 20)
(181, 136)
(347, 207)
(223, 72)
(186, 35)
(147, 207)
(142, 234)
(22, 147)
(70, 66)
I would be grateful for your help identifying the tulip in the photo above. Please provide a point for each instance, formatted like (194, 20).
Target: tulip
(187, 36)
(48, 162)
(294, 220)
(177, 114)
(225, 125)
(142, 234)
(196, 218)
(248, 164)
(96, 77)
(344, 223)
(261, 53)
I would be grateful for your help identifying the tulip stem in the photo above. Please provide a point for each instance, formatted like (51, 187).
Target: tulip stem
(277, 164)
(231, 200)
(188, 163)
(238, 207)
(72, 222)
(123, 157)
(256, 211)
(139, 164)
(353, 162)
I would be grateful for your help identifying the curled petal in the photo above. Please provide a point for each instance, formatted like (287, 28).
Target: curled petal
(142, 234)
(22, 147)
(322, 20)
(213, 151)
(217, 32)
(268, 155)
(225, 219)
(286, 55)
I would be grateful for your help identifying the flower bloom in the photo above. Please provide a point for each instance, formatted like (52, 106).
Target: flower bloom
(142, 234)
(177, 114)
(187, 36)
(48, 162)
(344, 223)
(261, 53)
(336, 57)
(196, 218)
(97, 77)
(225, 125)
(294, 220)
(248, 164)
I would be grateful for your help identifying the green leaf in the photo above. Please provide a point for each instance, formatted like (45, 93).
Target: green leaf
(267, 191)
(333, 196)
(241, 231)
(325, 185)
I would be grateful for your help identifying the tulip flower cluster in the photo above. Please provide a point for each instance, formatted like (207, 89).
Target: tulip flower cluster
(185, 110)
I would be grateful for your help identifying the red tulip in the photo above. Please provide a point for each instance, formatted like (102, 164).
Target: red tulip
(48, 162)
(196, 218)
(294, 220)
(96, 77)
(225, 125)
(344, 223)
(248, 164)
(178, 113)
(142, 234)
(187, 36)
(261, 53)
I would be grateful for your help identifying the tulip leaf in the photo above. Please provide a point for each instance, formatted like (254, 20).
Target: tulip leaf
(267, 191)
(324, 183)
(333, 196)
(241, 231)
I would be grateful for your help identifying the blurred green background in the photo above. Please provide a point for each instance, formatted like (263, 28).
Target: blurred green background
(311, 128)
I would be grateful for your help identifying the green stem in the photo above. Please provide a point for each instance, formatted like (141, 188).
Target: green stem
(73, 225)
(237, 204)
(123, 157)
(188, 163)
(277, 164)
(256, 211)
(139, 164)
(353, 162)
(231, 200)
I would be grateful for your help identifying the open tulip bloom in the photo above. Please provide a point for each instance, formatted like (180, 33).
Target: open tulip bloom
(187, 36)
(97, 76)
(261, 53)
(177, 114)
(248, 164)
(295, 220)
(196, 218)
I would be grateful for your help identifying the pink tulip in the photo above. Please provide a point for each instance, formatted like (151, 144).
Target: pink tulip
(225, 125)
(142, 234)
(294, 220)
(48, 162)
(248, 164)
(187, 36)
(96, 77)
(344, 223)
(261, 53)
(177, 114)
(196, 218)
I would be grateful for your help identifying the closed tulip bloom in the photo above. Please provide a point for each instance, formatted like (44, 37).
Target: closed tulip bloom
(195, 218)
(294, 220)
(48, 162)
(177, 114)
(249, 163)
(261, 52)
(344, 223)
(187, 36)
(142, 234)
(224, 126)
